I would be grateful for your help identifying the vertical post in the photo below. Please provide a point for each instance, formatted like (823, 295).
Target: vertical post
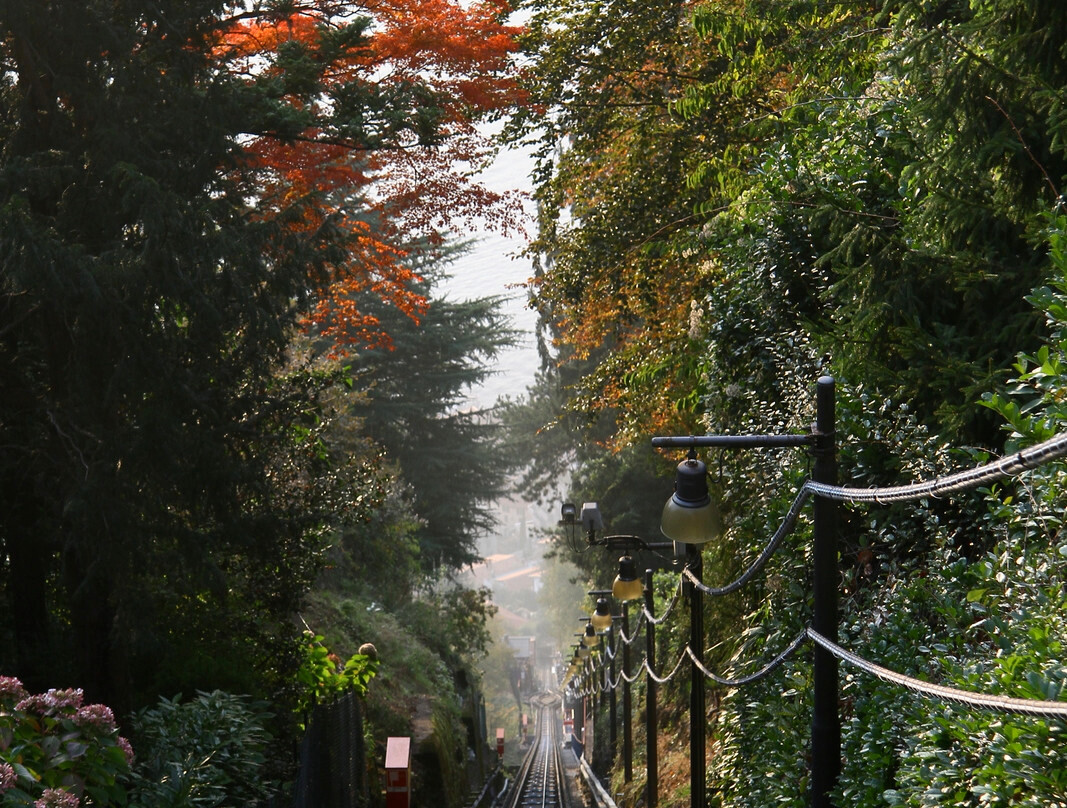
(697, 730)
(627, 706)
(613, 732)
(578, 730)
(825, 724)
(651, 730)
(589, 722)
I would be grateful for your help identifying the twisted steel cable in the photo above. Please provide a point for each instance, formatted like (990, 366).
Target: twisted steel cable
(664, 679)
(655, 621)
(637, 628)
(1025, 460)
(762, 673)
(1034, 708)
(784, 529)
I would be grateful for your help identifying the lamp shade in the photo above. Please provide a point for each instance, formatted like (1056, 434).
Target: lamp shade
(627, 586)
(690, 516)
(590, 639)
(600, 620)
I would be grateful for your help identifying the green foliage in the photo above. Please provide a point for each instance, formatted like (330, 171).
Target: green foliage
(322, 675)
(450, 745)
(167, 455)
(57, 751)
(865, 193)
(983, 614)
(206, 752)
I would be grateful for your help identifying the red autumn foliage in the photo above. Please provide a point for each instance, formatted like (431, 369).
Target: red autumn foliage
(387, 95)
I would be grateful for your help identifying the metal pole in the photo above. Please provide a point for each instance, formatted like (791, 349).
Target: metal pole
(613, 732)
(627, 707)
(697, 730)
(825, 724)
(651, 730)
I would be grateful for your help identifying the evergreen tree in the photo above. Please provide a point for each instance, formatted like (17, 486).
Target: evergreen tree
(412, 399)
(165, 486)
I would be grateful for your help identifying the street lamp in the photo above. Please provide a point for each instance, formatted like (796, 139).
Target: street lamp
(683, 522)
(603, 620)
(690, 517)
(600, 620)
(589, 639)
(627, 585)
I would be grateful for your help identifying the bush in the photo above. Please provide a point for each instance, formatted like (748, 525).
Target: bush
(207, 752)
(57, 751)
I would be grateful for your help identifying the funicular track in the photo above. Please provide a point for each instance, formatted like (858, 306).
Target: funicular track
(540, 779)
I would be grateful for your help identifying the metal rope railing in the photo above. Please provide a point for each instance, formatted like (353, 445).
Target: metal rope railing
(655, 621)
(788, 523)
(984, 701)
(1024, 460)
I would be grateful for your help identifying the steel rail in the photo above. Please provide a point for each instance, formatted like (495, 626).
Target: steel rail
(539, 782)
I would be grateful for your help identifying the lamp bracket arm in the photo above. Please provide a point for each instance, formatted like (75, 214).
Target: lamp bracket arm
(735, 441)
(627, 542)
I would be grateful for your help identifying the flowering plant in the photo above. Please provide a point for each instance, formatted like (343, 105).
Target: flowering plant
(56, 752)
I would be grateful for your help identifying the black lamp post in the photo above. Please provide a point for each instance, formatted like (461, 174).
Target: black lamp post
(651, 730)
(627, 702)
(689, 517)
(603, 620)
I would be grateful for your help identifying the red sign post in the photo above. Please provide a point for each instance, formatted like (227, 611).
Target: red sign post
(500, 742)
(398, 773)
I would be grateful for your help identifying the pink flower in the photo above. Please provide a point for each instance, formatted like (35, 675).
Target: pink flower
(57, 798)
(127, 750)
(11, 688)
(97, 716)
(36, 703)
(52, 702)
(62, 699)
(7, 777)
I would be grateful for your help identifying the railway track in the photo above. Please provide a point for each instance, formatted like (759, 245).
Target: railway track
(540, 779)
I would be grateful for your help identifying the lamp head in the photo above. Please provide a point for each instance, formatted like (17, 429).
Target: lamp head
(627, 585)
(568, 513)
(590, 638)
(690, 516)
(592, 521)
(600, 620)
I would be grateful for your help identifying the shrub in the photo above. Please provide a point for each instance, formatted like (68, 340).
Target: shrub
(57, 751)
(207, 752)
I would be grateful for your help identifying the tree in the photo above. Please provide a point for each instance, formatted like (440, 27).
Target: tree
(612, 192)
(381, 96)
(657, 121)
(168, 216)
(412, 401)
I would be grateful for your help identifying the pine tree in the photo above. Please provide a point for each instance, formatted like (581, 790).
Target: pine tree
(165, 476)
(413, 400)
